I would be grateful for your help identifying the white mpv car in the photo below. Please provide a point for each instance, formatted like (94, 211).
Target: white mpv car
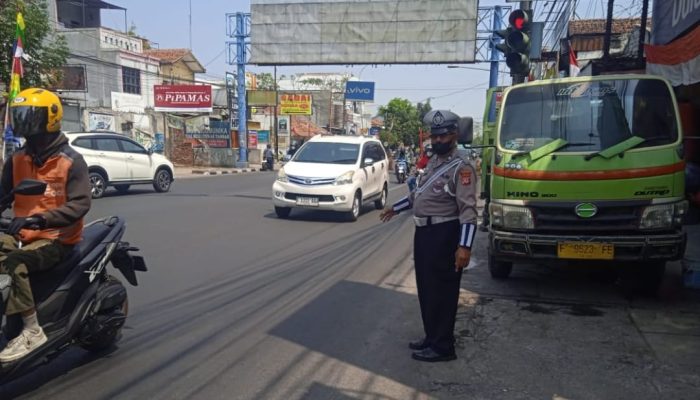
(337, 173)
(115, 160)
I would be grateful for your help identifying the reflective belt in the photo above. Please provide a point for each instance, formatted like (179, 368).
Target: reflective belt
(427, 221)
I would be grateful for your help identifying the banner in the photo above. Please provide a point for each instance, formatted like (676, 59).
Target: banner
(218, 135)
(101, 122)
(295, 104)
(263, 136)
(283, 125)
(182, 98)
(252, 139)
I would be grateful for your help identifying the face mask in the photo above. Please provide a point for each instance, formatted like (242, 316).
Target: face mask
(442, 148)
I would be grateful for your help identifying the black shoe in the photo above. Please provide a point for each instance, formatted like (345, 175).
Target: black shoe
(429, 355)
(418, 345)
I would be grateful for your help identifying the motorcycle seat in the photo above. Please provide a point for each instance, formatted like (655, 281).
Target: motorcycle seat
(44, 282)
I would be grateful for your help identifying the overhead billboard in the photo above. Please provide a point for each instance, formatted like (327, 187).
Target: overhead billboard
(299, 32)
(359, 91)
(182, 98)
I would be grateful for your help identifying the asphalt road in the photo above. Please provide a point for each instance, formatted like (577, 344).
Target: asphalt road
(239, 304)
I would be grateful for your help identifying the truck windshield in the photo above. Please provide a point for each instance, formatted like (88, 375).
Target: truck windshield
(596, 115)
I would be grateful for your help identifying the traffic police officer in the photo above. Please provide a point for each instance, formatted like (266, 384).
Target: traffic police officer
(444, 208)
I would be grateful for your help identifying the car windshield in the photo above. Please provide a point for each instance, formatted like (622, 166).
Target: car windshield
(595, 115)
(328, 153)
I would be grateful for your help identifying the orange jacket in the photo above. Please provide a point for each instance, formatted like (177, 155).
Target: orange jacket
(67, 196)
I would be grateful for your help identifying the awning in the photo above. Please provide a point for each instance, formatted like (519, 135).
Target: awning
(678, 61)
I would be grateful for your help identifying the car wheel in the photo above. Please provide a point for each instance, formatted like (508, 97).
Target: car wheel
(122, 188)
(98, 184)
(354, 212)
(282, 212)
(499, 269)
(381, 203)
(162, 181)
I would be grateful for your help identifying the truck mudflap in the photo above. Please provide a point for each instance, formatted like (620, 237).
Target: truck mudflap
(519, 246)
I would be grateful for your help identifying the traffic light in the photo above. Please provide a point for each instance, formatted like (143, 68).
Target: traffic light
(517, 42)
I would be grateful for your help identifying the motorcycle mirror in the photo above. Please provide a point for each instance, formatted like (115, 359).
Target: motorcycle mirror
(30, 187)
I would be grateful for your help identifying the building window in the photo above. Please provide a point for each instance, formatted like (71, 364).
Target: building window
(131, 78)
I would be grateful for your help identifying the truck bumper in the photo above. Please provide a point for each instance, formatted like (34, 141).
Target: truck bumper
(523, 246)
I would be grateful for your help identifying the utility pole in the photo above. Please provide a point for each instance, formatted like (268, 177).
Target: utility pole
(608, 30)
(277, 148)
(495, 56)
(190, 24)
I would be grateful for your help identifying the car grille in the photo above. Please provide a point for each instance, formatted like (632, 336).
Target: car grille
(321, 198)
(310, 181)
(611, 217)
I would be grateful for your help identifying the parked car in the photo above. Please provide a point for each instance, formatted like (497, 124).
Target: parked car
(115, 160)
(338, 173)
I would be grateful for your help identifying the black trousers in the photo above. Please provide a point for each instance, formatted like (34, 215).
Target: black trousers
(434, 248)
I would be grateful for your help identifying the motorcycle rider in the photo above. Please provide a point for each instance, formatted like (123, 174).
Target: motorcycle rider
(55, 218)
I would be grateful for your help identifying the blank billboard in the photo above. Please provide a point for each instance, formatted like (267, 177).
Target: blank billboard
(305, 32)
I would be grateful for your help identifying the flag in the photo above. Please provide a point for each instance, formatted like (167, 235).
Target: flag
(574, 69)
(17, 55)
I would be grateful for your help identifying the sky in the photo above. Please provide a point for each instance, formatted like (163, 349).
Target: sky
(461, 90)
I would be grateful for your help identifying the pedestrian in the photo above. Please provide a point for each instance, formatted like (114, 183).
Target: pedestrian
(269, 157)
(45, 227)
(444, 208)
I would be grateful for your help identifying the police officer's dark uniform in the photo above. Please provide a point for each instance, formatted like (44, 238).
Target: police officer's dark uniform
(444, 208)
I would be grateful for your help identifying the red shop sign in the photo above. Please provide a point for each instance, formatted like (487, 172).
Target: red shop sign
(184, 98)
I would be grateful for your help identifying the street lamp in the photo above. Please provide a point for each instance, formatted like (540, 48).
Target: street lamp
(474, 68)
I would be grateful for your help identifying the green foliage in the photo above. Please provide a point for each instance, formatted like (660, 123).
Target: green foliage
(47, 51)
(266, 81)
(401, 122)
(423, 109)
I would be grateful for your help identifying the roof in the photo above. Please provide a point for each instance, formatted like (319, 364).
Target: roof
(171, 56)
(342, 139)
(96, 4)
(597, 26)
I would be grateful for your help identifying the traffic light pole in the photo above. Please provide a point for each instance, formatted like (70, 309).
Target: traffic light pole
(495, 56)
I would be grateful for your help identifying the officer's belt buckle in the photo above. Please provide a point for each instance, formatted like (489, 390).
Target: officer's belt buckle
(427, 221)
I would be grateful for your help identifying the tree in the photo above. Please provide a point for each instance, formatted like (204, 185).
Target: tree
(265, 81)
(46, 52)
(401, 121)
(423, 109)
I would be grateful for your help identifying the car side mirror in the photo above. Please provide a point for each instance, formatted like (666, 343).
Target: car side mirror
(465, 133)
(286, 157)
(369, 162)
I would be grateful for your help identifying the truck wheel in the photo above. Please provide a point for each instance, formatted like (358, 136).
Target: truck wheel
(499, 269)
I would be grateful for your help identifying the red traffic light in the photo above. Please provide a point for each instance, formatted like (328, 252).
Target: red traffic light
(518, 19)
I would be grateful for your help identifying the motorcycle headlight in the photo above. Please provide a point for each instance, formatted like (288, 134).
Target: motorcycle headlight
(281, 175)
(663, 215)
(345, 179)
(514, 217)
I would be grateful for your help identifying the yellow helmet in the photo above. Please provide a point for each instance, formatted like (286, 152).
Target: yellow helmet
(36, 111)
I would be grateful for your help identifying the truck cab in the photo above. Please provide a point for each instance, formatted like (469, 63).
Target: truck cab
(588, 169)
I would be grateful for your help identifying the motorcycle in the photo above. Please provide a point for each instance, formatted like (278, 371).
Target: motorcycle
(77, 301)
(401, 170)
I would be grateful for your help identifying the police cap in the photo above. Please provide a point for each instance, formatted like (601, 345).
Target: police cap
(441, 122)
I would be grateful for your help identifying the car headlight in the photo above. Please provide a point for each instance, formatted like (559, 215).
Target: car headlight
(345, 179)
(663, 215)
(281, 176)
(513, 217)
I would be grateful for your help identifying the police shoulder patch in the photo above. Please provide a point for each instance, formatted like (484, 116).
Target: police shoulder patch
(465, 176)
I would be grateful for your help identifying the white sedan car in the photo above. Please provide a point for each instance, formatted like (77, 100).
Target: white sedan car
(337, 173)
(115, 160)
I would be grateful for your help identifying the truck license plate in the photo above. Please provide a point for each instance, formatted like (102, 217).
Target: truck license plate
(307, 201)
(586, 250)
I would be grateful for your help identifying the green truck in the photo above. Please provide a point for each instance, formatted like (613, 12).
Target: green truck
(584, 169)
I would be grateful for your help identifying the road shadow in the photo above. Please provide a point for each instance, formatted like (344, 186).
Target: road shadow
(301, 214)
(72, 359)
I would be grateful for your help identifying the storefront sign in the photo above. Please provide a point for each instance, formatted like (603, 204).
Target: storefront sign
(295, 104)
(218, 135)
(672, 18)
(183, 98)
(283, 125)
(252, 139)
